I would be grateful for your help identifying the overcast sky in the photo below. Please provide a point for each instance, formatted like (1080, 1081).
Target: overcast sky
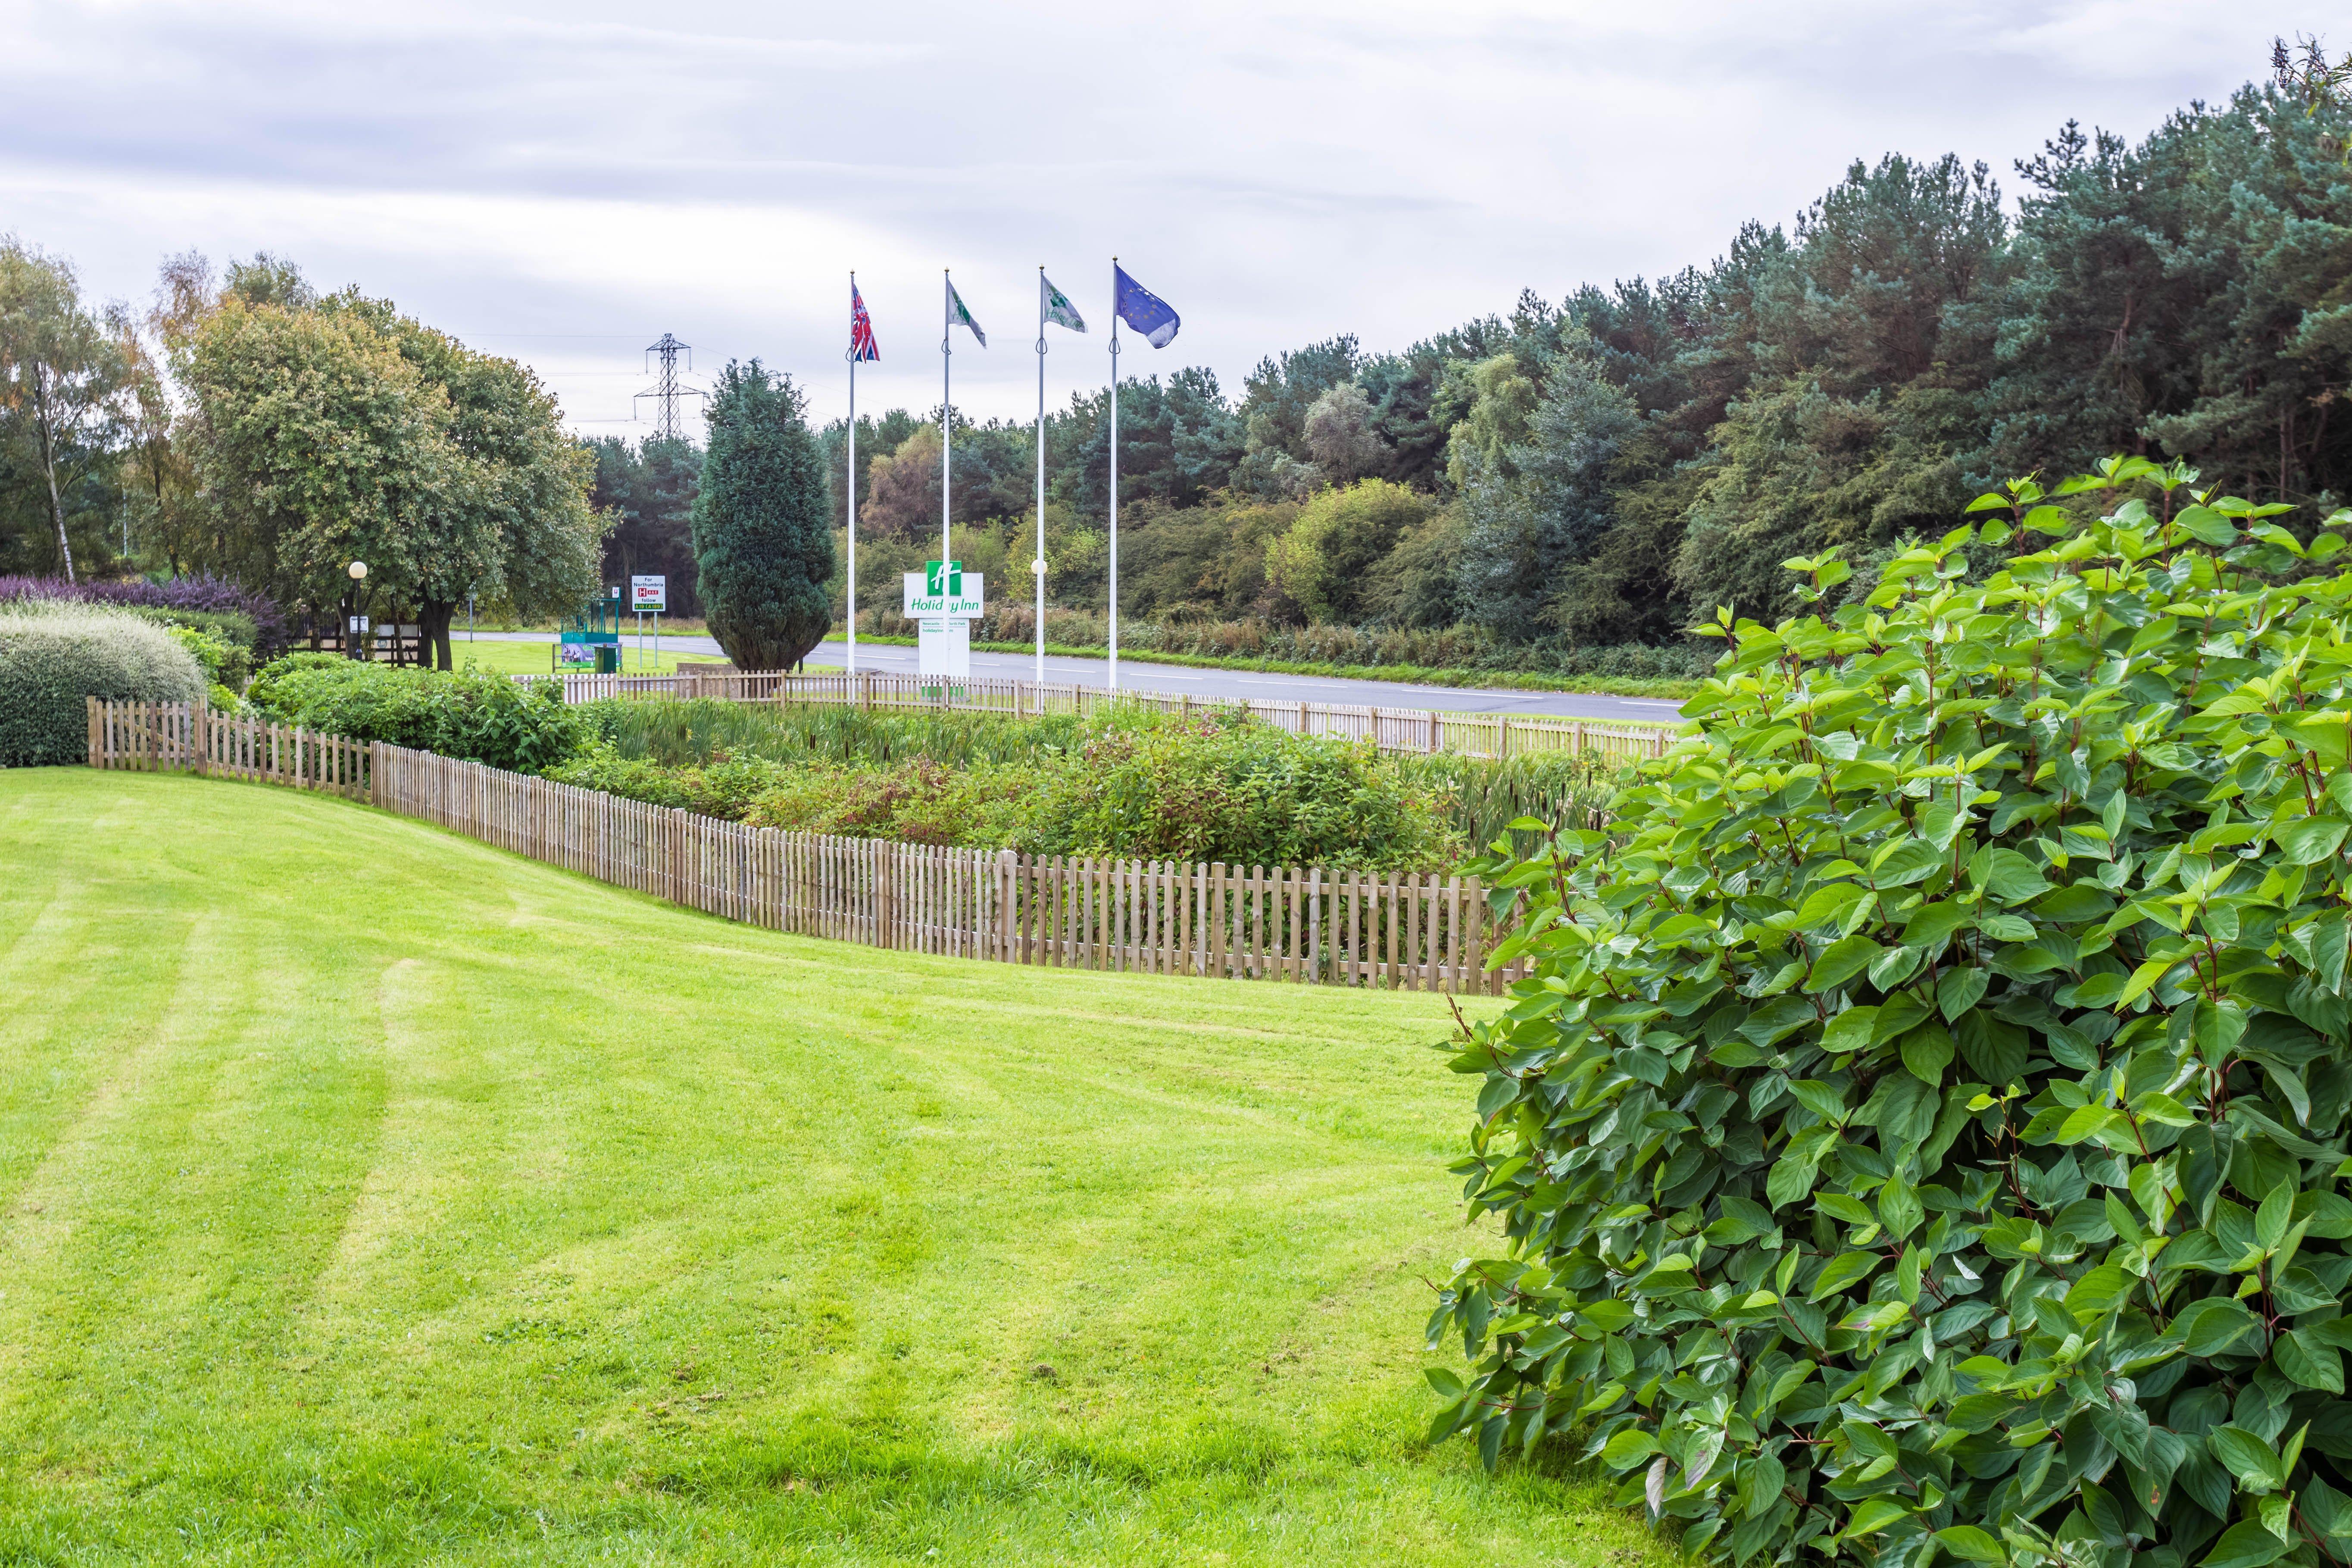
(564, 183)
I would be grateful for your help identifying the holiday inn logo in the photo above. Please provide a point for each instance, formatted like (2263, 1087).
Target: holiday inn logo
(943, 589)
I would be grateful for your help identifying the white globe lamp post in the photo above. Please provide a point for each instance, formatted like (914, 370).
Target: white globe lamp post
(357, 570)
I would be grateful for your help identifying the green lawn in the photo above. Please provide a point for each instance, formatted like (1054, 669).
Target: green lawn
(533, 658)
(367, 1194)
(537, 658)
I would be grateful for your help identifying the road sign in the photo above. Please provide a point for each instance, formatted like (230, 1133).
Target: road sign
(649, 594)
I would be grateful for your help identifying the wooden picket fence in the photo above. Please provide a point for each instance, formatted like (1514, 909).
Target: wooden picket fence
(1495, 735)
(178, 737)
(1298, 923)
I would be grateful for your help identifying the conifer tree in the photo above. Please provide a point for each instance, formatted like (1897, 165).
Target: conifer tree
(763, 537)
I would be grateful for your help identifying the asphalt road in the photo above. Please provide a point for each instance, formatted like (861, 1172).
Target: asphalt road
(1216, 683)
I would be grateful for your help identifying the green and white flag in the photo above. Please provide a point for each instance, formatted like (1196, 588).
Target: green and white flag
(1059, 309)
(960, 317)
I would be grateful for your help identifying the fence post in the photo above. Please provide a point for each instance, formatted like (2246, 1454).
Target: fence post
(1473, 946)
(1217, 919)
(1001, 944)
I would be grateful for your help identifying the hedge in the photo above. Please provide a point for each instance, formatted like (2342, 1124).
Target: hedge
(1922, 1131)
(53, 658)
(481, 717)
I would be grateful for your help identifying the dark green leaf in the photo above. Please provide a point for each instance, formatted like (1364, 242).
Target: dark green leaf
(2302, 1356)
(2245, 1544)
(1969, 1544)
(2212, 1325)
(2245, 1456)
(1841, 961)
(1842, 1271)
(1926, 1051)
(1958, 990)
(2311, 840)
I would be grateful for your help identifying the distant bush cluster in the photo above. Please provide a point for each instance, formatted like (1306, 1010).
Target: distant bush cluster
(1463, 647)
(478, 717)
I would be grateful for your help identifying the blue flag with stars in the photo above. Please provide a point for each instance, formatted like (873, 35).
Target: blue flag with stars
(1141, 308)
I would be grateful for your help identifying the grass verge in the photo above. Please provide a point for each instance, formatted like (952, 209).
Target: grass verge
(537, 658)
(1419, 675)
(369, 1194)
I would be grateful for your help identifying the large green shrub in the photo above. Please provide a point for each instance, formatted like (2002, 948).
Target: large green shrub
(54, 657)
(481, 717)
(1922, 1129)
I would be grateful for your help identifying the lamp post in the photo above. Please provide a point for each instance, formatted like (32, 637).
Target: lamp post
(351, 621)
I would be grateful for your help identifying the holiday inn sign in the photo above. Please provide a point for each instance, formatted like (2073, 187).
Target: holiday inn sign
(934, 594)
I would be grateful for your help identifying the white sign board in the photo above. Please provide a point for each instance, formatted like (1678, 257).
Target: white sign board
(942, 605)
(943, 651)
(958, 600)
(649, 594)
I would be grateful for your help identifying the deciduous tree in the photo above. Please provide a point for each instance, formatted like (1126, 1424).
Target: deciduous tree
(62, 375)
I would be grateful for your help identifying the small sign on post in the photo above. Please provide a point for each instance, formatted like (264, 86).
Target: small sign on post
(649, 596)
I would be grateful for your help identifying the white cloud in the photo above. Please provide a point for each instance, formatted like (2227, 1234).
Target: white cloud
(566, 182)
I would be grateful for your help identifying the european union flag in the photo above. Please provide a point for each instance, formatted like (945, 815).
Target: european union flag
(1141, 308)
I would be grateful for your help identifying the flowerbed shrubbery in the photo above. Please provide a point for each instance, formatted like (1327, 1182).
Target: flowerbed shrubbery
(225, 627)
(1481, 797)
(191, 600)
(1922, 1132)
(1126, 782)
(1132, 785)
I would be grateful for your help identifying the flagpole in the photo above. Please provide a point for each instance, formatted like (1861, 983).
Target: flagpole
(1114, 473)
(853, 476)
(1038, 568)
(947, 415)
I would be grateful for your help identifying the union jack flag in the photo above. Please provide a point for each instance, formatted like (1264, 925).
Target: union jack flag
(862, 346)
